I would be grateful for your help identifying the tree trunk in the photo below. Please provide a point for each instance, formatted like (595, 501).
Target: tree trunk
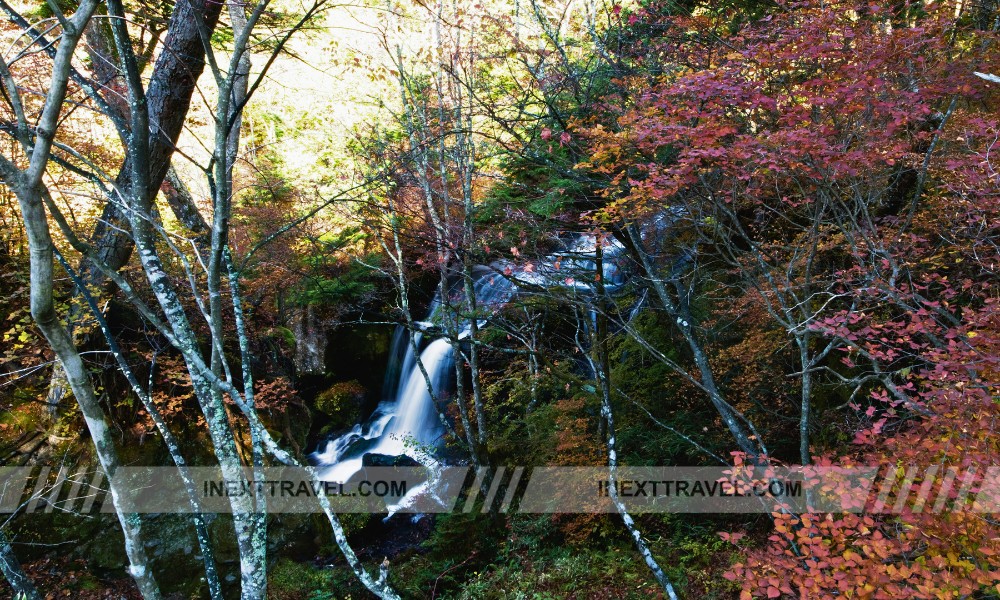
(171, 442)
(28, 187)
(171, 87)
(600, 364)
(12, 571)
(677, 311)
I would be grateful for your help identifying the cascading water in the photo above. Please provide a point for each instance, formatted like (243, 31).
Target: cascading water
(415, 415)
(404, 424)
(407, 421)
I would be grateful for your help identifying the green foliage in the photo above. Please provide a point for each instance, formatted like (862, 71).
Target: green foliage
(647, 384)
(544, 184)
(43, 9)
(616, 573)
(530, 438)
(272, 185)
(290, 580)
(335, 291)
(19, 419)
(459, 545)
(330, 279)
(274, 25)
(692, 553)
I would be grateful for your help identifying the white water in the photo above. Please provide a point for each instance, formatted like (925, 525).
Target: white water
(407, 425)
(407, 421)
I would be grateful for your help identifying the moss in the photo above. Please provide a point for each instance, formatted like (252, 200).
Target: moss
(173, 548)
(617, 573)
(342, 402)
(290, 580)
(19, 420)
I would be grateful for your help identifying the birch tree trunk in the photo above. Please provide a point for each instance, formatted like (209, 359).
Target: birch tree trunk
(173, 446)
(599, 362)
(27, 186)
(12, 571)
(139, 201)
(251, 525)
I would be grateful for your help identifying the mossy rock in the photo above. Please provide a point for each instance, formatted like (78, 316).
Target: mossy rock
(172, 546)
(342, 402)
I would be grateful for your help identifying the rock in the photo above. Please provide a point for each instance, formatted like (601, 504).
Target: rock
(373, 459)
(310, 342)
(342, 402)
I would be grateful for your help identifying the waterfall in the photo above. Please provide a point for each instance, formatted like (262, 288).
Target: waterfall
(406, 421)
(416, 415)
